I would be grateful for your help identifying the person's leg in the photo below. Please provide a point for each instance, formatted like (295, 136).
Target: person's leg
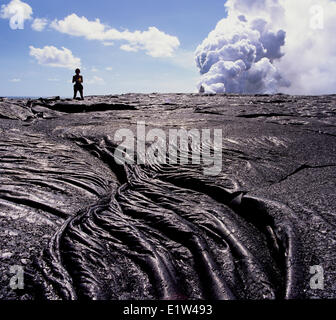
(81, 93)
(75, 93)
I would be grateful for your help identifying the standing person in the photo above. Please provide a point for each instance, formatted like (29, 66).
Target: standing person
(78, 80)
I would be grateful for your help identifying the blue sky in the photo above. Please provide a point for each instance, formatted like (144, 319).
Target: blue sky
(181, 25)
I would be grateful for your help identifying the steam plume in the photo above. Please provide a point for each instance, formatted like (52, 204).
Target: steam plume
(267, 46)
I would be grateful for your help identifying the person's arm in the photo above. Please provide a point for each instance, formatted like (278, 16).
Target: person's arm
(73, 79)
(82, 79)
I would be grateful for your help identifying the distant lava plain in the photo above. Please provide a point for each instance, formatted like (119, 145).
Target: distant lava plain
(84, 227)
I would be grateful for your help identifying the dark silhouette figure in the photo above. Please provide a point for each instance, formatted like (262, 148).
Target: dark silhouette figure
(78, 80)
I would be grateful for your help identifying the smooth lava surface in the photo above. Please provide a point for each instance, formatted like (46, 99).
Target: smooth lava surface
(85, 227)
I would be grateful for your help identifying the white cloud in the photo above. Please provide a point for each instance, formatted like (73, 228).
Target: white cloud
(39, 24)
(237, 56)
(53, 57)
(153, 41)
(310, 54)
(129, 48)
(17, 12)
(94, 69)
(108, 43)
(108, 68)
(269, 46)
(96, 80)
(15, 80)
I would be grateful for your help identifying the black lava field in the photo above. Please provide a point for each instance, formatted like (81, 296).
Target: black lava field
(85, 227)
